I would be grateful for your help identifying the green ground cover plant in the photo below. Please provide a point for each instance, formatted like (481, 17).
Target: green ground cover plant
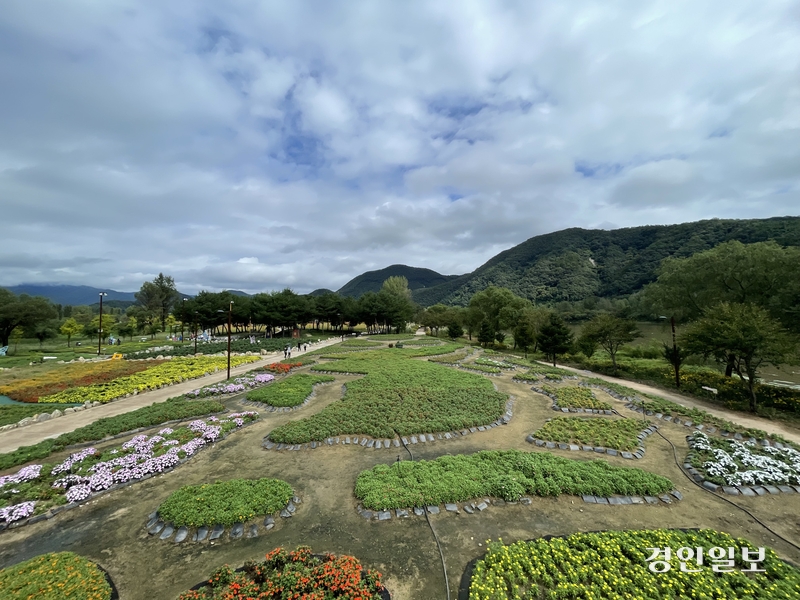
(54, 576)
(613, 565)
(398, 396)
(421, 341)
(293, 575)
(575, 397)
(167, 373)
(225, 502)
(291, 391)
(619, 434)
(506, 474)
(481, 368)
(389, 337)
(241, 345)
(449, 359)
(358, 343)
(147, 416)
(538, 371)
(502, 363)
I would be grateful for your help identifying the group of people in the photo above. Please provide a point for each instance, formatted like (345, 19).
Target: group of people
(287, 351)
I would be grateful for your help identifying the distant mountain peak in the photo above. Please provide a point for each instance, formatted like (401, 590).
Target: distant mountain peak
(371, 281)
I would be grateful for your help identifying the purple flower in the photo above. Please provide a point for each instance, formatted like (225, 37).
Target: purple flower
(17, 512)
(78, 493)
(24, 474)
(75, 458)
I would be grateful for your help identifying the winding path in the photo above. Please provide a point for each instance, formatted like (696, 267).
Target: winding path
(36, 432)
(742, 419)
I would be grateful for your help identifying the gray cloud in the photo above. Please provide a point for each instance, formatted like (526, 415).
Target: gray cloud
(260, 145)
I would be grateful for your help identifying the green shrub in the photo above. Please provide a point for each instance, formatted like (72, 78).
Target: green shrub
(225, 502)
(54, 576)
(506, 474)
(593, 431)
(291, 391)
(575, 397)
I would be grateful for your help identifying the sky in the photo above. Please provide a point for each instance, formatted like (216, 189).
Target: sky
(257, 145)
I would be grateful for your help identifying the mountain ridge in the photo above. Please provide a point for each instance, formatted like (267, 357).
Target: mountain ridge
(371, 281)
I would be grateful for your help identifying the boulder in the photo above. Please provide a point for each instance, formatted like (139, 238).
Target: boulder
(56, 413)
(25, 421)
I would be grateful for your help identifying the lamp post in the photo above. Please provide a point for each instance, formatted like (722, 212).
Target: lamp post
(100, 333)
(230, 315)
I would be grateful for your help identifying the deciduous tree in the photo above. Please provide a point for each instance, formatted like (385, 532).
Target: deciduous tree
(611, 333)
(69, 328)
(22, 311)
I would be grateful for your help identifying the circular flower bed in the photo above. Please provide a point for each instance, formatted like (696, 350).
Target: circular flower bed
(225, 502)
(297, 574)
(614, 564)
(55, 576)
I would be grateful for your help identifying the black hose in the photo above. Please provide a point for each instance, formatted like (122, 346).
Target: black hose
(433, 531)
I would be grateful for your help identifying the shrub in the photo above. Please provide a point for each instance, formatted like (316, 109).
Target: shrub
(593, 431)
(55, 576)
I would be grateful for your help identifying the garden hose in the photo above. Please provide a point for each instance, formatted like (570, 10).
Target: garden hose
(723, 498)
(433, 531)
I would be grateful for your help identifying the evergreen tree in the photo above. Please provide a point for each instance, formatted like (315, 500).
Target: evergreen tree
(485, 333)
(555, 337)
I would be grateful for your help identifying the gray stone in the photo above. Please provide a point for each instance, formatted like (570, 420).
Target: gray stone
(396, 443)
(270, 526)
(355, 440)
(600, 500)
(651, 499)
(612, 452)
(201, 534)
(447, 436)
(468, 509)
(167, 532)
(347, 440)
(566, 410)
(481, 428)
(450, 507)
(296, 499)
(291, 507)
(710, 485)
(378, 445)
(759, 490)
(252, 531)
(413, 439)
(156, 528)
(738, 436)
(434, 510)
(269, 521)
(286, 514)
(627, 455)
(637, 500)
(778, 445)
(786, 489)
(430, 437)
(574, 447)
(405, 441)
(711, 429)
(217, 532)
(562, 446)
(526, 501)
(539, 443)
(587, 448)
(364, 442)
(482, 506)
(499, 502)
(659, 416)
(614, 500)
(152, 521)
(729, 489)
(384, 515)
(746, 491)
(668, 418)
(796, 488)
(677, 494)
(237, 531)
(370, 444)
(589, 499)
(665, 498)
(401, 512)
(529, 439)
(625, 500)
(183, 533)
(419, 511)
(313, 445)
(599, 449)
(42, 417)
(772, 489)
(550, 445)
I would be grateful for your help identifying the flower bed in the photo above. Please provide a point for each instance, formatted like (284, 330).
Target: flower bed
(398, 396)
(241, 345)
(573, 397)
(65, 377)
(613, 565)
(291, 391)
(420, 341)
(283, 367)
(507, 474)
(620, 434)
(480, 368)
(297, 574)
(538, 371)
(449, 359)
(500, 364)
(36, 488)
(234, 385)
(147, 416)
(55, 576)
(168, 373)
(730, 462)
(225, 502)
(361, 344)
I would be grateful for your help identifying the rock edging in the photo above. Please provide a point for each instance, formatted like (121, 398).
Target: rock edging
(636, 454)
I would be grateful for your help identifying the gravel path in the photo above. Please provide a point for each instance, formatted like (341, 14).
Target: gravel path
(736, 417)
(36, 432)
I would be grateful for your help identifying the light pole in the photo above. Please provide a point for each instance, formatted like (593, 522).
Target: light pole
(230, 315)
(100, 333)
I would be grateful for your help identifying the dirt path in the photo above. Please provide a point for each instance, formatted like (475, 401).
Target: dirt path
(35, 433)
(735, 417)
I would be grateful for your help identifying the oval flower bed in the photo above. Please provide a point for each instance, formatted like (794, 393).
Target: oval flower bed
(225, 502)
(55, 576)
(613, 565)
(298, 574)
(620, 434)
(234, 385)
(36, 488)
(291, 391)
(507, 474)
(168, 373)
(573, 397)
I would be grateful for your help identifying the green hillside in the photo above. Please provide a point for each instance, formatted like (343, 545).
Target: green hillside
(578, 263)
(371, 281)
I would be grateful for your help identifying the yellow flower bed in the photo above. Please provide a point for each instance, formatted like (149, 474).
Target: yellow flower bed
(168, 373)
(55, 576)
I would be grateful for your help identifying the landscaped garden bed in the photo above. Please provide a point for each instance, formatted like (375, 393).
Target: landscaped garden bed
(538, 372)
(36, 488)
(161, 375)
(225, 502)
(614, 565)
(55, 576)
(743, 463)
(298, 574)
(287, 365)
(234, 385)
(619, 434)
(398, 396)
(480, 368)
(241, 345)
(573, 397)
(507, 474)
(489, 362)
(289, 392)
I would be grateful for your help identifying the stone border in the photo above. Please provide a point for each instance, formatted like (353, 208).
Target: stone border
(396, 442)
(735, 490)
(636, 454)
(596, 411)
(156, 525)
(57, 509)
(479, 372)
(485, 502)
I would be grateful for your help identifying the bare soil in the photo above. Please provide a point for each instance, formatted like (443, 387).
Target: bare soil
(111, 529)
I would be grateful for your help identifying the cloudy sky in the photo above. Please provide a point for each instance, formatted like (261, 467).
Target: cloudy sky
(255, 145)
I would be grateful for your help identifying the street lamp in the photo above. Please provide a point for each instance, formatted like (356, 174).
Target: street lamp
(230, 314)
(183, 318)
(100, 333)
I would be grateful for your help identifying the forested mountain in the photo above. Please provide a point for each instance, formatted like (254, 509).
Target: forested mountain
(73, 295)
(578, 263)
(371, 281)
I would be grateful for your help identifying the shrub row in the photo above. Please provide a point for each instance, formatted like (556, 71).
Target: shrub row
(593, 431)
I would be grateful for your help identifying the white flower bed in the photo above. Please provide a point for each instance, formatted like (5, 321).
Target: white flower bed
(745, 463)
